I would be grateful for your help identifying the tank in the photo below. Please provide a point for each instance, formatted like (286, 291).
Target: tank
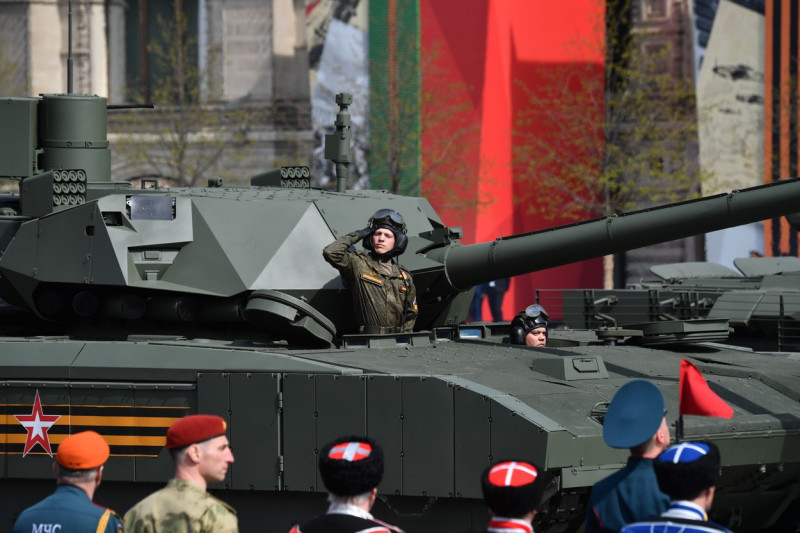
(131, 307)
(760, 299)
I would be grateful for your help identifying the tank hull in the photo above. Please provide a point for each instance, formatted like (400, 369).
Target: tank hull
(441, 406)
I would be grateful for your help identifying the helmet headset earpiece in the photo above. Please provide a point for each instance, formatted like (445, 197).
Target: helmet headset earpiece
(393, 221)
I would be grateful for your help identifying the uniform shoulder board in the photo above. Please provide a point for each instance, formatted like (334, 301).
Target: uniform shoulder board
(111, 511)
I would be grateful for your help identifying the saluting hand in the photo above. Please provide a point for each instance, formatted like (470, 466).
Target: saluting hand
(364, 233)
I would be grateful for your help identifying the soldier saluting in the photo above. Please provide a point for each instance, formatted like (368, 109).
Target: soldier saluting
(384, 297)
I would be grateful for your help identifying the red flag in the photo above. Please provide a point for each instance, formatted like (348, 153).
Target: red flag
(696, 397)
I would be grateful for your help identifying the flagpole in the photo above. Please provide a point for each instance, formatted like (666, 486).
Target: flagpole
(679, 429)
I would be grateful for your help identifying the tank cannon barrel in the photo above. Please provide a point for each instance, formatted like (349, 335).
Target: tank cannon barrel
(470, 265)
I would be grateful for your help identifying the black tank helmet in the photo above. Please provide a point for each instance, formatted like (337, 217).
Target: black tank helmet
(393, 221)
(534, 316)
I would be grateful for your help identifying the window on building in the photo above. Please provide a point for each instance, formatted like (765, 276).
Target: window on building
(161, 48)
(654, 9)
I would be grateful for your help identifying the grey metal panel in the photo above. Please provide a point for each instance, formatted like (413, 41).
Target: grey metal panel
(72, 248)
(737, 306)
(384, 424)
(178, 360)
(213, 398)
(693, 270)
(427, 437)
(340, 406)
(255, 430)
(176, 403)
(46, 359)
(586, 476)
(471, 443)
(515, 436)
(299, 433)
(764, 266)
(21, 140)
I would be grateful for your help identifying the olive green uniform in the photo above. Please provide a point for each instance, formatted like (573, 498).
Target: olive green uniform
(181, 507)
(383, 302)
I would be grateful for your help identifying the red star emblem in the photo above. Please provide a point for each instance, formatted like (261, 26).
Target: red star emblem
(37, 423)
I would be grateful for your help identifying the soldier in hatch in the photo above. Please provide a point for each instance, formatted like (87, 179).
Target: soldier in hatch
(384, 297)
(529, 327)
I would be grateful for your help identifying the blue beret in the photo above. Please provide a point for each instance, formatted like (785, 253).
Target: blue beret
(634, 415)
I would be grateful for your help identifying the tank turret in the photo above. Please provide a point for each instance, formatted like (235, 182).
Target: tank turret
(104, 258)
(148, 256)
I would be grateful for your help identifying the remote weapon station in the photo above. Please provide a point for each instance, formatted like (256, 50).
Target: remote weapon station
(129, 308)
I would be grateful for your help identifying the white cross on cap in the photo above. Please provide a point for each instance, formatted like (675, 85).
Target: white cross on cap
(679, 449)
(512, 474)
(350, 451)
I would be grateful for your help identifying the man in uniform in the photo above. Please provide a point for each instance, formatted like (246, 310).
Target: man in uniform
(529, 327)
(351, 468)
(201, 453)
(512, 490)
(79, 470)
(688, 472)
(636, 419)
(384, 297)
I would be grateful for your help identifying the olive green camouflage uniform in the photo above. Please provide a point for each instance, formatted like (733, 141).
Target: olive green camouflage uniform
(181, 507)
(379, 298)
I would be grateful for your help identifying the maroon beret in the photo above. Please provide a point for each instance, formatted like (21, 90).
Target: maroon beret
(194, 428)
(82, 451)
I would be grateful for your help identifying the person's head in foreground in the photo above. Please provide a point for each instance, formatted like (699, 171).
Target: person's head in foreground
(200, 449)
(689, 471)
(352, 468)
(512, 490)
(637, 420)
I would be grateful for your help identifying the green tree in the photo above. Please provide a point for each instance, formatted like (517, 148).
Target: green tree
(595, 142)
(435, 157)
(183, 140)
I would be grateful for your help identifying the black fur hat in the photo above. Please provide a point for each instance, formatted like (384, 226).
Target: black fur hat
(686, 469)
(351, 465)
(512, 489)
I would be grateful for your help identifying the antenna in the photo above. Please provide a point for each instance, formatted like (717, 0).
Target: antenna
(69, 47)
